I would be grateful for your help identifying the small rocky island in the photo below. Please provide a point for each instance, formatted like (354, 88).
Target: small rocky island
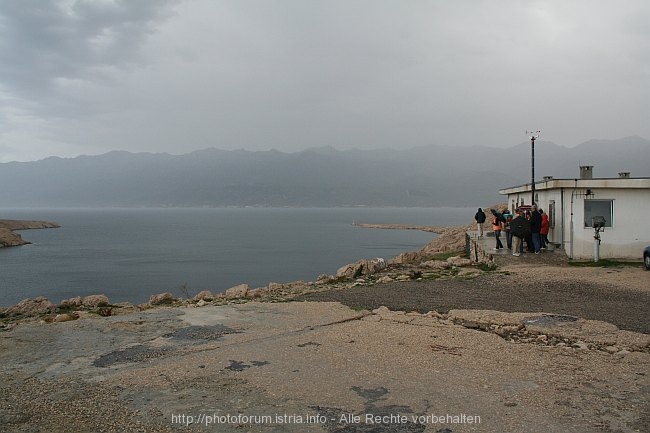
(8, 236)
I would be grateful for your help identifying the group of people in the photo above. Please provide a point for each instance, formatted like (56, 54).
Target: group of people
(531, 227)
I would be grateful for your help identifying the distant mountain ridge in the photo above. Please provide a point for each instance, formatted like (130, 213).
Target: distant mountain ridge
(318, 177)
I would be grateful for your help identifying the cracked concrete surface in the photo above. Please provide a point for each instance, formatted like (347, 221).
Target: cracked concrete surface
(282, 361)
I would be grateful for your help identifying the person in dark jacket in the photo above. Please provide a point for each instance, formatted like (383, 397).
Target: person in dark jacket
(479, 217)
(507, 219)
(535, 228)
(529, 237)
(520, 228)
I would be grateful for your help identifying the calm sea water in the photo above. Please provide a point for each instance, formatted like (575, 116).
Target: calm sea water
(129, 254)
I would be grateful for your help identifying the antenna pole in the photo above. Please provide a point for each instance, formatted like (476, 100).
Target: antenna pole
(533, 136)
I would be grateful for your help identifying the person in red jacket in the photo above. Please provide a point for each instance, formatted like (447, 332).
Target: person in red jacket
(544, 229)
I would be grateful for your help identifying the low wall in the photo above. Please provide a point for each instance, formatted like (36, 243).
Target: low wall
(475, 250)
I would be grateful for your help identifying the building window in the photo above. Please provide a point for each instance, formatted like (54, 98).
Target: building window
(599, 208)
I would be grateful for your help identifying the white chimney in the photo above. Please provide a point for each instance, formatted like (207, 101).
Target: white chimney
(586, 172)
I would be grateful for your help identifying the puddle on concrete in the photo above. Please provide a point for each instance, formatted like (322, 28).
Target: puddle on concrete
(309, 343)
(241, 366)
(144, 352)
(372, 397)
(139, 353)
(201, 333)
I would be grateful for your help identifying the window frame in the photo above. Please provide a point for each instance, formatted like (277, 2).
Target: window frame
(609, 218)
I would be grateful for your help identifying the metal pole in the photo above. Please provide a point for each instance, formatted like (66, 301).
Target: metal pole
(596, 243)
(532, 168)
(533, 136)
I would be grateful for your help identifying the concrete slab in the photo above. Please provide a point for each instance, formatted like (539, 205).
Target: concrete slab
(307, 366)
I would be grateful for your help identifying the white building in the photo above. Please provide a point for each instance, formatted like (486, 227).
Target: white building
(574, 204)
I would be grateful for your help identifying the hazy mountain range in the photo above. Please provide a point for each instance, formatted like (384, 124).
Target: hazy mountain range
(424, 176)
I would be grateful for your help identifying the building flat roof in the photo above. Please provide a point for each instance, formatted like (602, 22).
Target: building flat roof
(615, 182)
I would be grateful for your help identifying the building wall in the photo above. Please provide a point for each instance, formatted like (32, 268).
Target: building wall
(630, 231)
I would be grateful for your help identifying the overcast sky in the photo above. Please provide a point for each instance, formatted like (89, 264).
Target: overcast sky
(86, 77)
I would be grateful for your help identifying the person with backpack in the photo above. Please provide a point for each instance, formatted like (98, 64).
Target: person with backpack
(520, 229)
(479, 217)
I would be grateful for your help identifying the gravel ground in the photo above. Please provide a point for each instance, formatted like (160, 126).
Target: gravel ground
(619, 295)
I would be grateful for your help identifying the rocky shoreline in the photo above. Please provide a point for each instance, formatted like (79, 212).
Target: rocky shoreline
(8, 236)
(434, 260)
(405, 267)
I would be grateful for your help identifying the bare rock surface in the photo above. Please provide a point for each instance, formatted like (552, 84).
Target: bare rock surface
(161, 299)
(239, 291)
(94, 301)
(26, 224)
(30, 307)
(9, 238)
(204, 369)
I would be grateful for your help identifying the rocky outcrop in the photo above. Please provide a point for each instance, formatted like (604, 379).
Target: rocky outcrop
(361, 267)
(67, 310)
(71, 303)
(10, 239)
(239, 291)
(27, 224)
(30, 307)
(66, 317)
(161, 299)
(431, 229)
(94, 301)
(88, 302)
(408, 257)
(204, 295)
(450, 240)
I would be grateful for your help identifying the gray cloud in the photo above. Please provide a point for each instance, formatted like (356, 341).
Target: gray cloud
(48, 44)
(87, 77)
(49, 40)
